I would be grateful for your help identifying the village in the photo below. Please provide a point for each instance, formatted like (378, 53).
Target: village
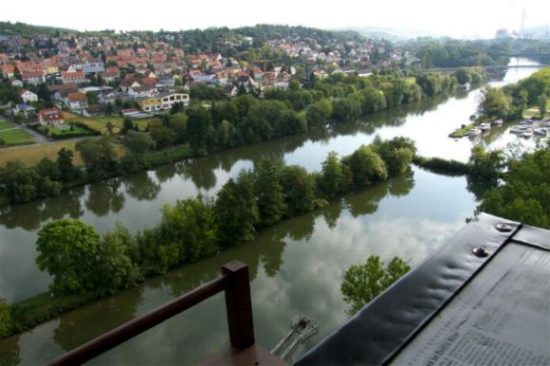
(135, 75)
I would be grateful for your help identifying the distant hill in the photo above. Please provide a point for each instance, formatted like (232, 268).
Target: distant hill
(29, 31)
(392, 34)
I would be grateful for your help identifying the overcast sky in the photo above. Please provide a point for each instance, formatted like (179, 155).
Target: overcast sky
(464, 18)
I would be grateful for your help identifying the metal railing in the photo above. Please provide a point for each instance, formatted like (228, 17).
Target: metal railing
(234, 281)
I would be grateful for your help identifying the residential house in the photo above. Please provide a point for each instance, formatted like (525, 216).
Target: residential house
(230, 91)
(7, 70)
(33, 77)
(76, 101)
(73, 77)
(51, 116)
(60, 92)
(141, 92)
(93, 68)
(24, 109)
(111, 74)
(163, 101)
(28, 96)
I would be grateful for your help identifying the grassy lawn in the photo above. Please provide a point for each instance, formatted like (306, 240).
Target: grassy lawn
(32, 154)
(5, 125)
(535, 112)
(169, 155)
(462, 131)
(99, 123)
(16, 137)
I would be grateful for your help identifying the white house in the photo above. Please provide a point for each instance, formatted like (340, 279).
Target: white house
(28, 96)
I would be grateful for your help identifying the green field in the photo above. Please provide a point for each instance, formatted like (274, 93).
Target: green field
(99, 123)
(32, 154)
(5, 125)
(16, 137)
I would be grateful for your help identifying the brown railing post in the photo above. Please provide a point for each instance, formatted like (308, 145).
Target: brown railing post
(238, 305)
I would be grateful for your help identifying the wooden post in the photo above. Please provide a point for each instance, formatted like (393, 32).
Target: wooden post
(238, 305)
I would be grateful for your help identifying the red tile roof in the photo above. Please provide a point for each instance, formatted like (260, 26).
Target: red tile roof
(51, 114)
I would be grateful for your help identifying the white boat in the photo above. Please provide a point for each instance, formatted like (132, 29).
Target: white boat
(474, 131)
(540, 131)
(498, 122)
(485, 126)
(527, 122)
(516, 129)
(527, 133)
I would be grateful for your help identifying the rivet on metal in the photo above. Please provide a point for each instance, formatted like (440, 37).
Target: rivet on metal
(480, 252)
(504, 228)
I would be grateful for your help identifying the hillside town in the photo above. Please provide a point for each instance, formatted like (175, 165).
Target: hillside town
(137, 75)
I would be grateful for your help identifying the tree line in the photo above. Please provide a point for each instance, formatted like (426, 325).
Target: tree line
(225, 124)
(434, 53)
(511, 101)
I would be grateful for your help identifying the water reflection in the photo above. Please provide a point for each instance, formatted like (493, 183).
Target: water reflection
(295, 267)
(9, 351)
(200, 171)
(31, 215)
(78, 327)
(105, 197)
(142, 186)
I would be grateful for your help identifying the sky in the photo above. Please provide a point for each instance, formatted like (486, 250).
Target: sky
(459, 19)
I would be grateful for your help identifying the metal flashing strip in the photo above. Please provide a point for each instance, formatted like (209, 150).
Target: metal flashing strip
(383, 327)
(533, 236)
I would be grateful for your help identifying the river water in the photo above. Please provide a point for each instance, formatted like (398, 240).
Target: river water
(296, 266)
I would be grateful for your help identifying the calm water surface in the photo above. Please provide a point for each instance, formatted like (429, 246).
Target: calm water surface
(296, 266)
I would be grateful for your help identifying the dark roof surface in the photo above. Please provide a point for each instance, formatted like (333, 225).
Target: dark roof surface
(484, 298)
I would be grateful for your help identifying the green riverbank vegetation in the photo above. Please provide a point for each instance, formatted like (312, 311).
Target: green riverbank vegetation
(86, 265)
(224, 124)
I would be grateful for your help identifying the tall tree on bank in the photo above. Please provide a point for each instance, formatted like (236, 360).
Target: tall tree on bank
(68, 250)
(200, 131)
(235, 210)
(269, 192)
(98, 156)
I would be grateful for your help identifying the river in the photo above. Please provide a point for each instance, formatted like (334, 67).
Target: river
(296, 266)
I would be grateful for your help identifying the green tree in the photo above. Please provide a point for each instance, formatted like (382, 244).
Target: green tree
(139, 143)
(495, 103)
(127, 125)
(524, 195)
(69, 251)
(463, 75)
(67, 171)
(299, 189)
(236, 211)
(269, 192)
(362, 283)
(200, 132)
(542, 103)
(332, 180)
(486, 166)
(117, 269)
(189, 224)
(18, 182)
(366, 166)
(98, 156)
